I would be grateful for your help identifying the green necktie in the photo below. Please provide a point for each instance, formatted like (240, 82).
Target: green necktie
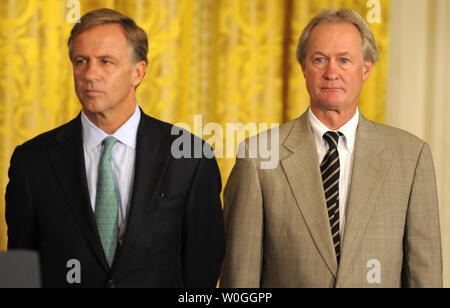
(107, 202)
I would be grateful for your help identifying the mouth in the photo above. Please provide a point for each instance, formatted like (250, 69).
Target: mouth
(332, 89)
(93, 92)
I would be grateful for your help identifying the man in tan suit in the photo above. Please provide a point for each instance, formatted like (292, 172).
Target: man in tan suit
(352, 203)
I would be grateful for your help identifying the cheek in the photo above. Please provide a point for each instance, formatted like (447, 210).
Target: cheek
(77, 81)
(354, 79)
(76, 77)
(353, 85)
(312, 78)
(120, 82)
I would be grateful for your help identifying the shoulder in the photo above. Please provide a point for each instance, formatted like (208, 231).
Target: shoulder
(153, 123)
(399, 147)
(168, 130)
(276, 133)
(396, 137)
(48, 139)
(182, 144)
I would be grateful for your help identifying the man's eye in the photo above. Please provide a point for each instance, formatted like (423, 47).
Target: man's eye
(344, 60)
(106, 61)
(79, 61)
(319, 60)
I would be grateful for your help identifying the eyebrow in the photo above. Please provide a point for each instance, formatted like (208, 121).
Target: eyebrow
(341, 54)
(97, 57)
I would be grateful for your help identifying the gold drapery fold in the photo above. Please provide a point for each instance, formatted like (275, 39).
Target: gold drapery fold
(230, 61)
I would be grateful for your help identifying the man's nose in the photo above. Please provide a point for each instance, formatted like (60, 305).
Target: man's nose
(331, 70)
(92, 71)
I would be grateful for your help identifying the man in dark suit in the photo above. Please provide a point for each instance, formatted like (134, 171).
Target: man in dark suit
(102, 198)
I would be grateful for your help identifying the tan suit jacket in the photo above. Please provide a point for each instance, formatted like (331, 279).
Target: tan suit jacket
(278, 232)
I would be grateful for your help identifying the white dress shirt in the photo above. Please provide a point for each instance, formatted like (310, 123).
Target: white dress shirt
(123, 158)
(345, 148)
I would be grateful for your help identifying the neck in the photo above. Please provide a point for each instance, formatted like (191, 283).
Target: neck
(110, 122)
(333, 119)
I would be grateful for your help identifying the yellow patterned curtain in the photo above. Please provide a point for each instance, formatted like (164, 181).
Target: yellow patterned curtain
(230, 61)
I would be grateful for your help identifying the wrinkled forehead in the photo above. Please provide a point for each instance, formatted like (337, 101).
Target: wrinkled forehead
(336, 37)
(105, 39)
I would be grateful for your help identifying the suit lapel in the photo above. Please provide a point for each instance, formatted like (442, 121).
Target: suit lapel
(302, 171)
(67, 158)
(369, 172)
(152, 157)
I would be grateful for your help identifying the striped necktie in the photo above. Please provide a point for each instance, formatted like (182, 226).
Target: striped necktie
(330, 169)
(107, 202)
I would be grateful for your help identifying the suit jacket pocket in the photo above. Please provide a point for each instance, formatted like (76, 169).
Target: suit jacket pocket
(167, 201)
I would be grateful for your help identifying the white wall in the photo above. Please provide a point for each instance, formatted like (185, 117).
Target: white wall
(419, 88)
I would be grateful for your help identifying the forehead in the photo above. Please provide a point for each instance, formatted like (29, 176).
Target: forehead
(335, 37)
(108, 38)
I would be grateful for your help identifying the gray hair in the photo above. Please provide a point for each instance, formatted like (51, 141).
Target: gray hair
(137, 38)
(369, 47)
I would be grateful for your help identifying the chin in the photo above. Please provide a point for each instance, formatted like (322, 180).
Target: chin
(332, 104)
(332, 101)
(93, 106)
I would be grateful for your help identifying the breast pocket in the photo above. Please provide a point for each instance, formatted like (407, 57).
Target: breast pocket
(166, 201)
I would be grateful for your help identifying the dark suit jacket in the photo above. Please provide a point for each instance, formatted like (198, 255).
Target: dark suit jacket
(174, 235)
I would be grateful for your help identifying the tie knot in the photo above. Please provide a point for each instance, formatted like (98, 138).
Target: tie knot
(108, 144)
(332, 138)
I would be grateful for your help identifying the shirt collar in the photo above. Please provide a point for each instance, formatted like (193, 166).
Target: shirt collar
(126, 134)
(348, 130)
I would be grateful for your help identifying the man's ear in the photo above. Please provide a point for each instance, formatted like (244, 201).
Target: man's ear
(139, 72)
(367, 68)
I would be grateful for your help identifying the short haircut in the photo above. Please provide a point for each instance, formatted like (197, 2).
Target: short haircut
(137, 38)
(369, 47)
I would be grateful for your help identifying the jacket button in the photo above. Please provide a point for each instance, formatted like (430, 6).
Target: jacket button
(111, 284)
